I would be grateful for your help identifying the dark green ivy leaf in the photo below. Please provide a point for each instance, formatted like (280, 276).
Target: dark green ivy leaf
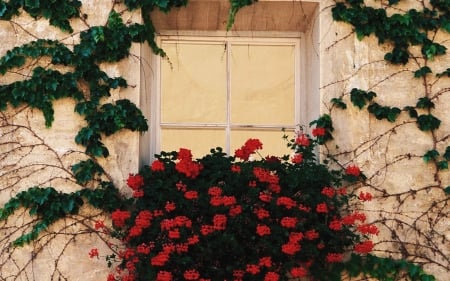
(422, 72)
(430, 155)
(425, 103)
(339, 103)
(360, 98)
(447, 190)
(427, 122)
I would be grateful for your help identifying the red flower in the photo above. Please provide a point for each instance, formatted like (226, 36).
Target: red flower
(297, 159)
(335, 225)
(252, 269)
(334, 257)
(135, 231)
(164, 276)
(322, 208)
(191, 274)
(157, 166)
(160, 259)
(93, 253)
(235, 210)
(189, 168)
(368, 229)
(302, 140)
(191, 195)
(111, 277)
(99, 224)
(206, 229)
(298, 272)
(235, 168)
(318, 132)
(219, 222)
(265, 261)
(143, 249)
(289, 222)
(365, 196)
(328, 191)
(144, 218)
(265, 197)
(250, 146)
(174, 233)
(135, 182)
(262, 230)
(352, 218)
(271, 276)
(364, 247)
(193, 240)
(311, 234)
(215, 191)
(238, 274)
(353, 170)
(184, 154)
(287, 202)
(261, 213)
(119, 217)
(170, 206)
(290, 248)
(295, 237)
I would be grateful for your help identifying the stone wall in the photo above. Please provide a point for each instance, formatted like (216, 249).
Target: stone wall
(409, 205)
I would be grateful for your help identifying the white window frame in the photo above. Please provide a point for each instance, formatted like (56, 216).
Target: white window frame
(262, 38)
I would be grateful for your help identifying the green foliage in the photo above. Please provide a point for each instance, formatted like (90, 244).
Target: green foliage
(47, 204)
(422, 72)
(325, 122)
(57, 12)
(360, 98)
(339, 103)
(230, 213)
(385, 269)
(401, 30)
(428, 122)
(430, 155)
(236, 5)
(86, 171)
(384, 112)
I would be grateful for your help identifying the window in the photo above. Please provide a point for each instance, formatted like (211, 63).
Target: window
(220, 88)
(221, 91)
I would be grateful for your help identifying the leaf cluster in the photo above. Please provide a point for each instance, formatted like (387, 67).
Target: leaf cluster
(401, 30)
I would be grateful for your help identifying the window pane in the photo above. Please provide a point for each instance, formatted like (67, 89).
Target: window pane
(273, 142)
(193, 83)
(263, 84)
(199, 141)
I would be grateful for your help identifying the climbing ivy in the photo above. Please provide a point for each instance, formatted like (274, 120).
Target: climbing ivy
(402, 31)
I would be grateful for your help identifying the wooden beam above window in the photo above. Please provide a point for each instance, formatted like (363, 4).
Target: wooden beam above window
(264, 15)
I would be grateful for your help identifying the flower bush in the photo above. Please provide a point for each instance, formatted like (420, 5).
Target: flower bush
(230, 218)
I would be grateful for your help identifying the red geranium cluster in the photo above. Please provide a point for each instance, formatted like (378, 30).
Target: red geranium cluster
(218, 219)
(250, 147)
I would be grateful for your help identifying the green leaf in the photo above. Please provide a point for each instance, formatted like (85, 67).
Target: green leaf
(447, 190)
(427, 122)
(411, 111)
(447, 153)
(430, 155)
(3, 9)
(442, 165)
(32, 4)
(425, 103)
(339, 103)
(360, 98)
(422, 72)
